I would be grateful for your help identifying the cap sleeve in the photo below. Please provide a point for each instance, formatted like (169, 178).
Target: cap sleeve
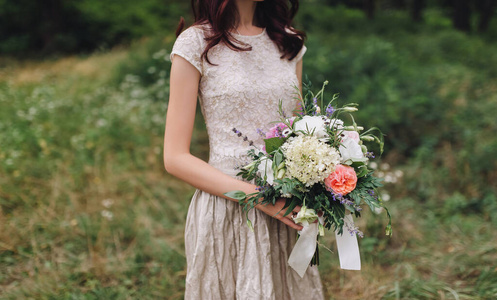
(190, 45)
(301, 53)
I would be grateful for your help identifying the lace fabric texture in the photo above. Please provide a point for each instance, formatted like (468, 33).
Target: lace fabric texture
(240, 89)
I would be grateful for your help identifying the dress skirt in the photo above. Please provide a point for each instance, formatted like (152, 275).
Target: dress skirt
(226, 260)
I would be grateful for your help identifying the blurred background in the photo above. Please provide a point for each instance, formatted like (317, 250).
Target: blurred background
(87, 210)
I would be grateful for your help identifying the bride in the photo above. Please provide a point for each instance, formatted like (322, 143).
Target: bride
(239, 59)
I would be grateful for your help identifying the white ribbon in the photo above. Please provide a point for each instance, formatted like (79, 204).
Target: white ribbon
(348, 249)
(303, 251)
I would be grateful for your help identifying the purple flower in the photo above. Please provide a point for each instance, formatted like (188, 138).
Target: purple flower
(354, 230)
(261, 133)
(240, 134)
(329, 110)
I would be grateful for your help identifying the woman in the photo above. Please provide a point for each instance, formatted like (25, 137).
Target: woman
(240, 58)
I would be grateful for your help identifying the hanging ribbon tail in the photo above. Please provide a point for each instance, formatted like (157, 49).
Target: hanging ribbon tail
(348, 248)
(304, 249)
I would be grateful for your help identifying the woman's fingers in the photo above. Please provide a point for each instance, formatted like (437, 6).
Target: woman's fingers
(290, 223)
(277, 211)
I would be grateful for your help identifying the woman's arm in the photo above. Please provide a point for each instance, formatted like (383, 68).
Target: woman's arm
(178, 160)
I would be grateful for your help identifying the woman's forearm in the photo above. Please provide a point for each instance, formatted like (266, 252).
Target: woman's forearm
(203, 176)
(209, 179)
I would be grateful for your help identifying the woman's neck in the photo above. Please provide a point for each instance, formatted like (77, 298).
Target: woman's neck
(246, 11)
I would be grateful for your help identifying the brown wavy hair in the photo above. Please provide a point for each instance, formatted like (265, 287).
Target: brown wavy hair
(274, 15)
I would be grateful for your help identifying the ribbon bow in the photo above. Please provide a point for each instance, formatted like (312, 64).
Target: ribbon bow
(303, 251)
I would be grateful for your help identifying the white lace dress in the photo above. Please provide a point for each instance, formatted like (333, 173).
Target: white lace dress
(225, 260)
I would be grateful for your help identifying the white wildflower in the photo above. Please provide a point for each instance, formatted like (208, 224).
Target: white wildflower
(107, 203)
(384, 166)
(107, 214)
(385, 197)
(101, 122)
(378, 210)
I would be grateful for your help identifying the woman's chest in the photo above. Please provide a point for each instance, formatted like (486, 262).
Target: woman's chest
(240, 76)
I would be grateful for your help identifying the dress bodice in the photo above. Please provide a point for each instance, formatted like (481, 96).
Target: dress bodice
(240, 89)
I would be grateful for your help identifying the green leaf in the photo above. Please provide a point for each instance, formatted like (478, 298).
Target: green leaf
(273, 144)
(250, 226)
(238, 195)
(362, 171)
(277, 159)
(290, 207)
(355, 162)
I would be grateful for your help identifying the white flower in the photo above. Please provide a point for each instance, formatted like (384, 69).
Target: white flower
(349, 109)
(266, 170)
(378, 210)
(385, 197)
(286, 132)
(309, 160)
(107, 203)
(107, 214)
(305, 216)
(311, 124)
(351, 150)
(151, 70)
(336, 123)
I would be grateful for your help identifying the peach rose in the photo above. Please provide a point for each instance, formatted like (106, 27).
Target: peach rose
(342, 181)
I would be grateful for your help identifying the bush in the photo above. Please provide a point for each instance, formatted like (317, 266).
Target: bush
(46, 27)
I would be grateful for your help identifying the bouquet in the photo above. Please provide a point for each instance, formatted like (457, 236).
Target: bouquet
(319, 162)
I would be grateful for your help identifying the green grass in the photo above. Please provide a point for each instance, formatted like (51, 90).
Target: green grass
(88, 212)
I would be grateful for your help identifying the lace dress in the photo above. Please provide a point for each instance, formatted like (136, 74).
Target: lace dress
(225, 259)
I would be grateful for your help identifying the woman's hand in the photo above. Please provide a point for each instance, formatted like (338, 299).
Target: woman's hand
(277, 211)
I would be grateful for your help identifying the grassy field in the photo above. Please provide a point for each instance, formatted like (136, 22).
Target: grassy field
(87, 210)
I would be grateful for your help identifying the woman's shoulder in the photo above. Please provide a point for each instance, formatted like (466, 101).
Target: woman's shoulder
(197, 31)
(192, 38)
(190, 45)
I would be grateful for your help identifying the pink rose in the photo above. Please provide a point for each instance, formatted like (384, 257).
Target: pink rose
(342, 181)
